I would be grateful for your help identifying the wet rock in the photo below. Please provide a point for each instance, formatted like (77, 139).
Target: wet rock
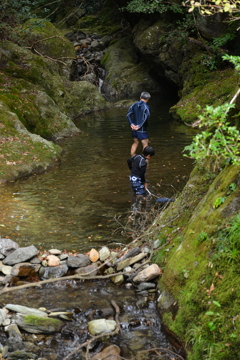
(129, 261)
(52, 260)
(78, 261)
(35, 260)
(7, 246)
(63, 257)
(105, 40)
(54, 252)
(21, 255)
(101, 326)
(21, 355)
(118, 279)
(109, 271)
(14, 341)
(93, 255)
(6, 270)
(142, 303)
(165, 301)
(145, 286)
(53, 272)
(3, 315)
(26, 310)
(148, 274)
(25, 269)
(111, 352)
(104, 253)
(106, 312)
(38, 325)
(129, 254)
(92, 270)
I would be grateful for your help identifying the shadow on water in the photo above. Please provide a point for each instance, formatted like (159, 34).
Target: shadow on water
(73, 206)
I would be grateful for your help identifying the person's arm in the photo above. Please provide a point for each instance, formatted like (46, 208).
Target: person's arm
(130, 116)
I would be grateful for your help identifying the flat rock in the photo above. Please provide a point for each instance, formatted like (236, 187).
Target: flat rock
(129, 261)
(148, 274)
(78, 261)
(21, 255)
(50, 272)
(101, 326)
(26, 310)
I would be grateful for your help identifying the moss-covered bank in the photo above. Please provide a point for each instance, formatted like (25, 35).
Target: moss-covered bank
(38, 103)
(200, 288)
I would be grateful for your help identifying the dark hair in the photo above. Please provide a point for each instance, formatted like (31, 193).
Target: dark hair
(148, 150)
(145, 95)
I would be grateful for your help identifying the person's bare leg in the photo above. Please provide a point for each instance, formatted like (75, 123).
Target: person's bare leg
(144, 142)
(134, 146)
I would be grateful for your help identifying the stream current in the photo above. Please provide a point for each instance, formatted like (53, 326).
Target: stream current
(73, 206)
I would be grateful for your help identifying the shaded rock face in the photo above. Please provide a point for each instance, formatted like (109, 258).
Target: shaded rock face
(126, 75)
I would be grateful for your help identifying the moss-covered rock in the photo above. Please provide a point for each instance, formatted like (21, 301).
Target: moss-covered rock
(127, 77)
(36, 99)
(212, 88)
(38, 325)
(23, 153)
(41, 36)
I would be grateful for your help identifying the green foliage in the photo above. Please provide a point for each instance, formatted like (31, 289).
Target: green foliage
(203, 236)
(219, 201)
(235, 60)
(151, 6)
(227, 242)
(219, 141)
(222, 40)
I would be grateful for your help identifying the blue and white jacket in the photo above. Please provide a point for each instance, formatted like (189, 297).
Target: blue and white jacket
(138, 114)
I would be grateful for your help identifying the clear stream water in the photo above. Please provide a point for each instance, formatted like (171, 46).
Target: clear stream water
(73, 206)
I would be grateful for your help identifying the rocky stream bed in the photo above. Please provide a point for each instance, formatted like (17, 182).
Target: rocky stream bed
(100, 305)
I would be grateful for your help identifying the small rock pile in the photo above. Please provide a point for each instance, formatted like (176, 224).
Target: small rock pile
(19, 265)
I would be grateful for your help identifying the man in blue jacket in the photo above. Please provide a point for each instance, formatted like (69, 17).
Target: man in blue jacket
(138, 115)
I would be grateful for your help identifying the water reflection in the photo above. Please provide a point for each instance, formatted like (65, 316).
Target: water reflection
(72, 207)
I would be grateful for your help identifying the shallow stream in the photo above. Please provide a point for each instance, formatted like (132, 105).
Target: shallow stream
(73, 206)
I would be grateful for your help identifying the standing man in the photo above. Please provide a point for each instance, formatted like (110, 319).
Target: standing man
(138, 115)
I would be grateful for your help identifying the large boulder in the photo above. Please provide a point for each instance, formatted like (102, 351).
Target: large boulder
(126, 76)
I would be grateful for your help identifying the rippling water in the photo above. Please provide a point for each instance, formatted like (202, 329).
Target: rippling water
(73, 206)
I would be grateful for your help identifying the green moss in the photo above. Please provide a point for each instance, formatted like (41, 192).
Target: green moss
(213, 88)
(204, 282)
(41, 321)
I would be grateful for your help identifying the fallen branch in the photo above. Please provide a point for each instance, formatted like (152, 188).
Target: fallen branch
(70, 277)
